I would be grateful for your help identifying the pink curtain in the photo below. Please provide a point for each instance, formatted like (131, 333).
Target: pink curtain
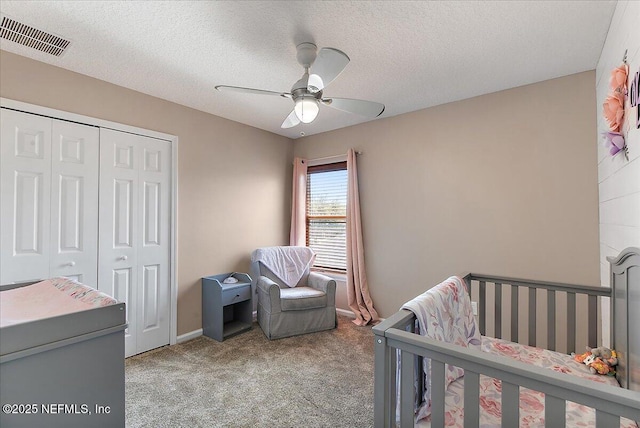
(357, 288)
(298, 234)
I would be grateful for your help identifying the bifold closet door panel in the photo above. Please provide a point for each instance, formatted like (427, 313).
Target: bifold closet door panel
(25, 192)
(134, 234)
(154, 245)
(74, 201)
(117, 263)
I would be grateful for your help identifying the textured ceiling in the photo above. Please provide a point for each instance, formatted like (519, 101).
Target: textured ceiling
(407, 55)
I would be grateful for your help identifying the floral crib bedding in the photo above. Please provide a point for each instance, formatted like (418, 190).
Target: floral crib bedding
(444, 313)
(531, 402)
(49, 298)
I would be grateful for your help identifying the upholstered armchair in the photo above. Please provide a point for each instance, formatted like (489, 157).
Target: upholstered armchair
(291, 299)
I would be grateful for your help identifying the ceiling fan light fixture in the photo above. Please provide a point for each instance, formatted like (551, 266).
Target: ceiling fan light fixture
(306, 109)
(325, 65)
(315, 83)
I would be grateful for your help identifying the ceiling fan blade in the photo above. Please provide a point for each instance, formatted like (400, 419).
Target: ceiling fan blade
(328, 65)
(251, 91)
(361, 107)
(291, 120)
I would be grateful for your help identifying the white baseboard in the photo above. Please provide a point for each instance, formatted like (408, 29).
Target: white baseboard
(188, 336)
(345, 313)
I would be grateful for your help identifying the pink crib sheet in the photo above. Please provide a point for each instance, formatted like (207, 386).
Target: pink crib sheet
(531, 402)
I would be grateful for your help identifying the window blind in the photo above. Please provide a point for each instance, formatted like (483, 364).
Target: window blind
(327, 215)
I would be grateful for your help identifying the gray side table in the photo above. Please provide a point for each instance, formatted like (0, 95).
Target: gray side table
(226, 308)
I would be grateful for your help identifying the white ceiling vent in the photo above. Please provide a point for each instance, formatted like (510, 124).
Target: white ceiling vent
(32, 37)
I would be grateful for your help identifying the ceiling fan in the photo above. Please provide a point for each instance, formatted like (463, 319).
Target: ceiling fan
(320, 69)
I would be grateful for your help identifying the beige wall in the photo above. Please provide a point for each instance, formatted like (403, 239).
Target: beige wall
(501, 184)
(234, 180)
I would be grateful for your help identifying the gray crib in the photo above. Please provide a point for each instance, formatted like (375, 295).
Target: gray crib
(610, 403)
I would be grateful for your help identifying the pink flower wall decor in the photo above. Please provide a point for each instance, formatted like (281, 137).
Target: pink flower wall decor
(613, 110)
(613, 107)
(618, 80)
(614, 141)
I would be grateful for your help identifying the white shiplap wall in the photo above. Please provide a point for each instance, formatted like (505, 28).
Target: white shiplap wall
(619, 179)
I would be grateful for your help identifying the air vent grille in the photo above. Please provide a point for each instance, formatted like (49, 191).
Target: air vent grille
(32, 37)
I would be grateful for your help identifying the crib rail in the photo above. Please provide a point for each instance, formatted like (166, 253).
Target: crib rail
(610, 403)
(530, 287)
(396, 333)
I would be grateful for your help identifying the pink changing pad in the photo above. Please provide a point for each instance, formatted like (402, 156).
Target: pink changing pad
(49, 298)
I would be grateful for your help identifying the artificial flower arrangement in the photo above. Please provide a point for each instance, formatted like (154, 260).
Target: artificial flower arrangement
(613, 110)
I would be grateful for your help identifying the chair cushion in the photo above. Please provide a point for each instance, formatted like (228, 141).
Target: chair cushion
(300, 298)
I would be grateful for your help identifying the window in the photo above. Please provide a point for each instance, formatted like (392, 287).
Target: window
(327, 215)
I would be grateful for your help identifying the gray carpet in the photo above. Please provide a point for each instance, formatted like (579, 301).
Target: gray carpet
(316, 380)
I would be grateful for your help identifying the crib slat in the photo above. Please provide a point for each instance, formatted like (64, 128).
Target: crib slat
(437, 394)
(551, 320)
(554, 412)
(407, 372)
(593, 321)
(606, 420)
(419, 382)
(498, 311)
(532, 317)
(481, 304)
(510, 404)
(571, 322)
(471, 402)
(514, 313)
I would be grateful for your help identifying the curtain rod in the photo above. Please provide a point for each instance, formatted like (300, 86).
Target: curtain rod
(330, 157)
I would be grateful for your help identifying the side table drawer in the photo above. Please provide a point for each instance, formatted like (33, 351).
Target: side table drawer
(236, 295)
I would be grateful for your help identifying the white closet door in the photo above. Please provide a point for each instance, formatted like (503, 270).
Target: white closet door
(117, 262)
(74, 201)
(154, 244)
(25, 192)
(134, 234)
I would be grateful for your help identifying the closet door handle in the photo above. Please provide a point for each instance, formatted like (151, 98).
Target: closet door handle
(71, 264)
(122, 258)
